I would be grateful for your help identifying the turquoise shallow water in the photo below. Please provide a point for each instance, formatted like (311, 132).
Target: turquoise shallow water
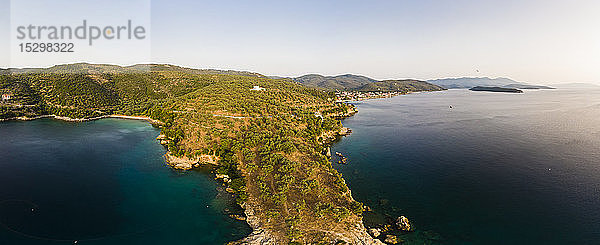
(103, 182)
(496, 168)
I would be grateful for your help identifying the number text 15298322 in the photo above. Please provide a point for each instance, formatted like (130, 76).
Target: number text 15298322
(46, 47)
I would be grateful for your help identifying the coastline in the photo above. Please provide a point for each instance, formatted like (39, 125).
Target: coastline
(279, 169)
(363, 96)
(68, 119)
(357, 234)
(382, 233)
(384, 97)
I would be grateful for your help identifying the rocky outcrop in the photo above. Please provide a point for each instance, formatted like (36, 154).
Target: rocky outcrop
(186, 163)
(375, 232)
(343, 159)
(344, 131)
(357, 235)
(330, 136)
(208, 159)
(259, 235)
(225, 177)
(403, 224)
(182, 163)
(163, 139)
(391, 239)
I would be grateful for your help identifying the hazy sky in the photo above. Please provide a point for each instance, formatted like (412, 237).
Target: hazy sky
(537, 41)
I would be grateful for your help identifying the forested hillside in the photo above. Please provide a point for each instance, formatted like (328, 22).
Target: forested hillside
(399, 85)
(341, 82)
(356, 83)
(269, 143)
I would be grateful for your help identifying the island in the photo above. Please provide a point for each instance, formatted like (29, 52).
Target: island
(496, 89)
(267, 139)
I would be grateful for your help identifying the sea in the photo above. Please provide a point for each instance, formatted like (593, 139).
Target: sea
(104, 182)
(464, 167)
(470, 167)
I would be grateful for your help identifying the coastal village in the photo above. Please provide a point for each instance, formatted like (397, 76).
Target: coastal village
(344, 96)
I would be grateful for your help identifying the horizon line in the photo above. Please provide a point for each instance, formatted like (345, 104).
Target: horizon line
(282, 76)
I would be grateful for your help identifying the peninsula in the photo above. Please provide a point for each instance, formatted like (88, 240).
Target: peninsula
(267, 138)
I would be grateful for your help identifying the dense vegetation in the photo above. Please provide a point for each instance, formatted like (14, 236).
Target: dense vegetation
(399, 85)
(269, 143)
(341, 82)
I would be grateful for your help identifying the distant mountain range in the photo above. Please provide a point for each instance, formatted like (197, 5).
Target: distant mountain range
(113, 69)
(349, 82)
(470, 82)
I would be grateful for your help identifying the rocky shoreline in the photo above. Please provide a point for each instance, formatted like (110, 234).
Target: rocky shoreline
(186, 163)
(384, 233)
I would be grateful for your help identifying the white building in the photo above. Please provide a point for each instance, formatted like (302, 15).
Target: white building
(257, 88)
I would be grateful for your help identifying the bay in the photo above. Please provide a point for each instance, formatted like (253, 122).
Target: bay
(104, 182)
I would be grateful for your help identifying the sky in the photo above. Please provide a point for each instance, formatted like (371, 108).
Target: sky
(536, 41)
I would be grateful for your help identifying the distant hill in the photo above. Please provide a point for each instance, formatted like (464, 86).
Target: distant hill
(351, 82)
(399, 85)
(341, 82)
(277, 77)
(166, 67)
(79, 68)
(85, 68)
(469, 82)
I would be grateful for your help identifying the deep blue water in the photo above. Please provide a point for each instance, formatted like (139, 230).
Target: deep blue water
(496, 168)
(103, 182)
